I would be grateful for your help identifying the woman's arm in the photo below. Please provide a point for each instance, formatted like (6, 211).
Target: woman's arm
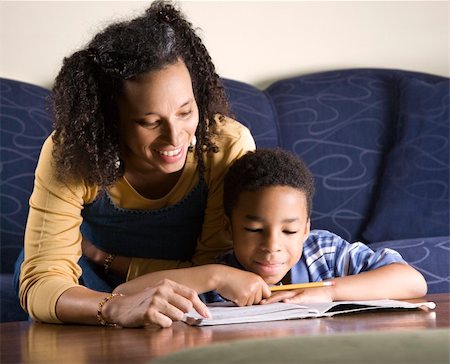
(52, 243)
(49, 280)
(49, 288)
(163, 303)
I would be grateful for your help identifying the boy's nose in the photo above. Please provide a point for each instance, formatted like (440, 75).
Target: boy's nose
(271, 243)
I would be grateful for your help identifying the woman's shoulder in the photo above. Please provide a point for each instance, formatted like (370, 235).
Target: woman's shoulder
(228, 131)
(46, 160)
(46, 177)
(233, 141)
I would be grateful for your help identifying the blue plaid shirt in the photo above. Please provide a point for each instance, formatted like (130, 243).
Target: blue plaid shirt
(325, 256)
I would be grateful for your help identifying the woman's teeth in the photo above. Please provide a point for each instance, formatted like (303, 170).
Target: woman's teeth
(170, 153)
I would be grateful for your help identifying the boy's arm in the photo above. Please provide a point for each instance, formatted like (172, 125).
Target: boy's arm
(359, 273)
(362, 273)
(392, 281)
(241, 287)
(202, 279)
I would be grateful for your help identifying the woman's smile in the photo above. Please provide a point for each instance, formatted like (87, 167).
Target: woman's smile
(171, 155)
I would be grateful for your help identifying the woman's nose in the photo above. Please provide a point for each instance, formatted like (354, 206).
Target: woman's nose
(171, 133)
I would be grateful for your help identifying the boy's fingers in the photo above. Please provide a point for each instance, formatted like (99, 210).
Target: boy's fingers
(266, 293)
(279, 296)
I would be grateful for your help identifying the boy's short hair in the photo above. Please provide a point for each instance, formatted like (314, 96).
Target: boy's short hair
(267, 168)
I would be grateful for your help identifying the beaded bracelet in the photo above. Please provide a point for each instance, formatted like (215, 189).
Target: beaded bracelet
(100, 317)
(107, 262)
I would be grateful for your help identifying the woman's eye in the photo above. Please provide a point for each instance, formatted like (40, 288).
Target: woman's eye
(253, 230)
(148, 124)
(186, 114)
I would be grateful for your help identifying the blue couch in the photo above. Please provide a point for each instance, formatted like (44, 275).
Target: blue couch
(376, 140)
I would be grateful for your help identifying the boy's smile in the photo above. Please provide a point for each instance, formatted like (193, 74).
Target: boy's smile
(268, 228)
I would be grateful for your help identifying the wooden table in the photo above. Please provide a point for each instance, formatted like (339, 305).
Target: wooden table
(28, 342)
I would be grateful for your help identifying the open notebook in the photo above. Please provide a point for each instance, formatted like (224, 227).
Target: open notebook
(228, 313)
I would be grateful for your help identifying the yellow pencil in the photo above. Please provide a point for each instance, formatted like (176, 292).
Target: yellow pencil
(287, 287)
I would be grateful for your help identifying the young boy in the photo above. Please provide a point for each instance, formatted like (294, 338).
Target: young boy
(268, 202)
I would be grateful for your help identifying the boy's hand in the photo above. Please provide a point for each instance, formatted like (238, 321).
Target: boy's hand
(323, 294)
(243, 288)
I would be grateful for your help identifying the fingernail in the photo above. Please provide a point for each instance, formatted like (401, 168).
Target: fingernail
(207, 314)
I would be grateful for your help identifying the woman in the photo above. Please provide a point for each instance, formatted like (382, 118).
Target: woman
(133, 173)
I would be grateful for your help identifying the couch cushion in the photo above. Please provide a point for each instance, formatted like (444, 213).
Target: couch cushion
(24, 125)
(338, 122)
(414, 193)
(10, 309)
(254, 109)
(431, 256)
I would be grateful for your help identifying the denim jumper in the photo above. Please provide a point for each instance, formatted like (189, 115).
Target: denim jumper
(168, 233)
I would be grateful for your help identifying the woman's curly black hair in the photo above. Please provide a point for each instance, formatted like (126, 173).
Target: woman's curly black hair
(86, 137)
(266, 168)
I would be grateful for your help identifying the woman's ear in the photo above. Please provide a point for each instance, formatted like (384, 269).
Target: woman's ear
(227, 228)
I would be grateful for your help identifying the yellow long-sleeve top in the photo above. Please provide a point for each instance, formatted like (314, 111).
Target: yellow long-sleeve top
(53, 238)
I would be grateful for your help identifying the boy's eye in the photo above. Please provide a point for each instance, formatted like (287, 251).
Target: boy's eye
(288, 232)
(253, 230)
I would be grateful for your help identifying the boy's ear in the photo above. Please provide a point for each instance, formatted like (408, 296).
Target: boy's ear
(227, 228)
(308, 227)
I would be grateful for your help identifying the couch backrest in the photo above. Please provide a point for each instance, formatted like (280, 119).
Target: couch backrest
(345, 124)
(24, 125)
(253, 108)
(339, 123)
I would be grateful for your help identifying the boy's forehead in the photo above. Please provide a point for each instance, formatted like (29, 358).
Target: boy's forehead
(276, 190)
(271, 196)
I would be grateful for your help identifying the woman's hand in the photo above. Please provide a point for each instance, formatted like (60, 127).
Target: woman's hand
(318, 294)
(161, 305)
(90, 251)
(241, 287)
(119, 265)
